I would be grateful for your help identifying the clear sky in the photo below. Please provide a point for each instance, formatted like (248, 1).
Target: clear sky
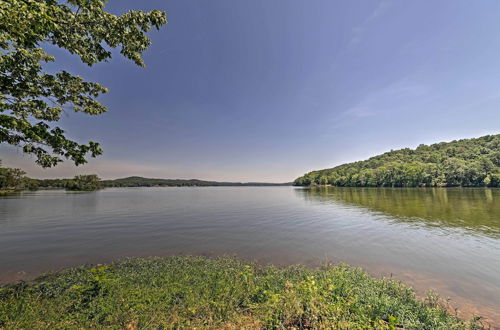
(268, 90)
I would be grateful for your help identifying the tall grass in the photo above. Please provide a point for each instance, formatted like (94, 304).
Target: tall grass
(187, 292)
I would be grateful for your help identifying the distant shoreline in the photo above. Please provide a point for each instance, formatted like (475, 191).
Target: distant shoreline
(52, 188)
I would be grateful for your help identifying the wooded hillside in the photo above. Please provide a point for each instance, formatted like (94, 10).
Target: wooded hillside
(467, 163)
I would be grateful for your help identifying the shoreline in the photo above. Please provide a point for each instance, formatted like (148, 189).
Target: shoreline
(319, 288)
(466, 311)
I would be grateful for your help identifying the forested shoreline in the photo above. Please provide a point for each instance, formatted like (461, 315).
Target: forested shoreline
(137, 181)
(15, 179)
(461, 163)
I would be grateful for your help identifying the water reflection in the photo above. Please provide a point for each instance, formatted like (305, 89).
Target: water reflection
(447, 240)
(470, 209)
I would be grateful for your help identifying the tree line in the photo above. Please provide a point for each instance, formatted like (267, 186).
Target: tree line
(463, 163)
(88, 182)
(137, 181)
(15, 179)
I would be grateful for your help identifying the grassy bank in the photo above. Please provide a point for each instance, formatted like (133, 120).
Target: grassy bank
(218, 293)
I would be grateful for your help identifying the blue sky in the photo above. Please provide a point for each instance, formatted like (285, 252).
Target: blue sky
(268, 90)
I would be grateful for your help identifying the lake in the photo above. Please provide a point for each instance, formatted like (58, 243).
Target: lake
(447, 240)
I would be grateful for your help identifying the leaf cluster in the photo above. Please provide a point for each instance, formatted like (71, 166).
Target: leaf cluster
(32, 100)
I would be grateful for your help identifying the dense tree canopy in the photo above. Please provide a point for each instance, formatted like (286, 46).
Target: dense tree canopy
(11, 178)
(14, 179)
(31, 100)
(88, 182)
(466, 163)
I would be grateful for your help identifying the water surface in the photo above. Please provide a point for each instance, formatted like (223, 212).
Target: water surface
(442, 239)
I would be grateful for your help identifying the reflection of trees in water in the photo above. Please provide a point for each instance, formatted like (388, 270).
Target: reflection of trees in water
(467, 208)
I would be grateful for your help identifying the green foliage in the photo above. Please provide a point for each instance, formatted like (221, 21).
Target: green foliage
(494, 180)
(78, 183)
(466, 163)
(31, 100)
(13, 179)
(84, 183)
(52, 183)
(193, 292)
(30, 184)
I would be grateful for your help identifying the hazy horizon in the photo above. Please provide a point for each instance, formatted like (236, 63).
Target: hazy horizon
(266, 91)
(110, 172)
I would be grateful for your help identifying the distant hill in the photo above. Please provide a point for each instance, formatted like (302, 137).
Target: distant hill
(466, 163)
(137, 181)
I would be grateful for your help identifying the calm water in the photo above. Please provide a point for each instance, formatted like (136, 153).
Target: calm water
(442, 239)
